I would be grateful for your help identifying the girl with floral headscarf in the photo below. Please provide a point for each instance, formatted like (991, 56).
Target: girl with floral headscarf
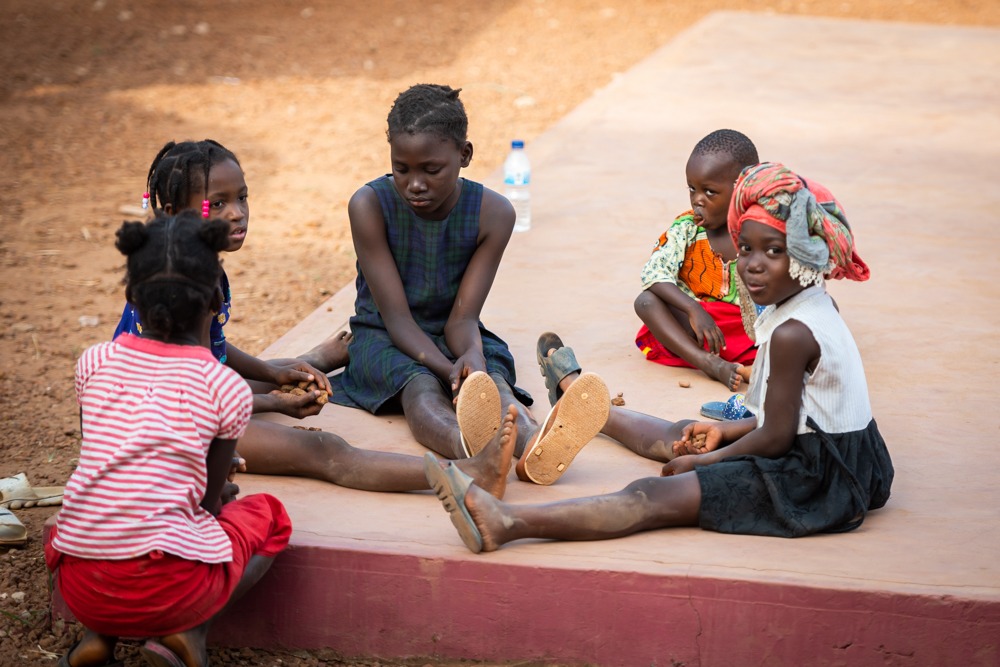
(810, 460)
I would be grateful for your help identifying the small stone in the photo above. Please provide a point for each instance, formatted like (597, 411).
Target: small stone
(684, 383)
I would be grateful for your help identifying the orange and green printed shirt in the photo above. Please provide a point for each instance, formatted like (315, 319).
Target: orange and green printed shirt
(683, 256)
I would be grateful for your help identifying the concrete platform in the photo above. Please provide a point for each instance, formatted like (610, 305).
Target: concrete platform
(901, 122)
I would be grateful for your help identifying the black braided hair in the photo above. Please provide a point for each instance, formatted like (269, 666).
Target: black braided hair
(728, 142)
(173, 269)
(181, 169)
(428, 107)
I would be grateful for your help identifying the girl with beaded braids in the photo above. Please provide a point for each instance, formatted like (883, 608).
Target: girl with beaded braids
(205, 176)
(810, 460)
(150, 541)
(429, 243)
(177, 182)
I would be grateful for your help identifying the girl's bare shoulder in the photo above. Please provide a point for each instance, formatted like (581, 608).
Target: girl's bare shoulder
(496, 211)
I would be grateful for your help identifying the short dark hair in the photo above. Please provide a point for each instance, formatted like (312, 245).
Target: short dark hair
(428, 107)
(729, 142)
(180, 169)
(173, 269)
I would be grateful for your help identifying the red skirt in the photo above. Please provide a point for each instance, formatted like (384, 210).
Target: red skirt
(739, 348)
(161, 594)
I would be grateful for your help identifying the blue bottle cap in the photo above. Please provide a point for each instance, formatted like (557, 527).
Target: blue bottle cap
(517, 143)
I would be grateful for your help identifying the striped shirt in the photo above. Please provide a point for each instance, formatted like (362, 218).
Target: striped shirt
(149, 411)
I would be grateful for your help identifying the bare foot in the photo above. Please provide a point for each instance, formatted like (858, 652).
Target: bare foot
(489, 516)
(331, 354)
(189, 646)
(744, 372)
(93, 649)
(490, 467)
(725, 372)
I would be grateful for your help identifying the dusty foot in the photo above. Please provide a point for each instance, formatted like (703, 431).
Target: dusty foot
(488, 515)
(189, 646)
(725, 372)
(490, 467)
(331, 354)
(93, 649)
(744, 372)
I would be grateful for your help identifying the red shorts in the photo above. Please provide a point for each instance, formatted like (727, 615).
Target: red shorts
(739, 348)
(161, 594)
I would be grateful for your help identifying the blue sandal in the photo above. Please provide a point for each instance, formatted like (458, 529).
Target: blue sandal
(554, 368)
(730, 410)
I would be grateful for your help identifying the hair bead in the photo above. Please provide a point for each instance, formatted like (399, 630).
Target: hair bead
(205, 206)
(145, 201)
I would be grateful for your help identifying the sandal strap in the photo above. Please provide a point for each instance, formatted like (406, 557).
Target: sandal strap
(554, 368)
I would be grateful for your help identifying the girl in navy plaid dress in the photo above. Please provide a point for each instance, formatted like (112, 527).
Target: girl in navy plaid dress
(429, 244)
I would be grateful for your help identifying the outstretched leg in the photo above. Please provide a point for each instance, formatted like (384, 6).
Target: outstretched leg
(672, 330)
(275, 449)
(646, 504)
(647, 436)
(430, 414)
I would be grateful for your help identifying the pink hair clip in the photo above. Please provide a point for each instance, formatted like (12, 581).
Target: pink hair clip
(205, 205)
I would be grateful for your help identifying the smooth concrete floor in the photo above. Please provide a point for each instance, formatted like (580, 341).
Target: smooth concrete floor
(902, 123)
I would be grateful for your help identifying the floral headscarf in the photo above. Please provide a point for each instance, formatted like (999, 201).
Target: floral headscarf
(820, 243)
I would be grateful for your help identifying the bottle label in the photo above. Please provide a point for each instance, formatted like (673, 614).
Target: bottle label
(517, 178)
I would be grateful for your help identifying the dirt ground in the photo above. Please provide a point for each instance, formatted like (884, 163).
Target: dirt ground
(91, 89)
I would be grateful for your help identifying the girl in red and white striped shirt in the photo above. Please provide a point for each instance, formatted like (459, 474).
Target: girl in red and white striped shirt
(147, 543)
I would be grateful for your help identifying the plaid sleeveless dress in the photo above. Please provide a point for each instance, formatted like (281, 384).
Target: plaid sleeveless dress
(431, 257)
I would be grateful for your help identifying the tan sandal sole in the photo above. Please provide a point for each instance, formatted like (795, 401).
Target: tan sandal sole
(478, 412)
(582, 413)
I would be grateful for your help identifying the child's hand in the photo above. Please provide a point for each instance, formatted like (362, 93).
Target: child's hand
(463, 367)
(239, 465)
(295, 405)
(229, 493)
(679, 465)
(698, 438)
(299, 371)
(706, 330)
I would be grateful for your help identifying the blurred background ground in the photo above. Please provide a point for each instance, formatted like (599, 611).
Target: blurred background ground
(299, 89)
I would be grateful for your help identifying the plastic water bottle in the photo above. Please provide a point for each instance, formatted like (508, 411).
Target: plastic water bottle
(516, 181)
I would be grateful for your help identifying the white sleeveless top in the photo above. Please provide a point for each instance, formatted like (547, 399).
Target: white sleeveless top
(835, 394)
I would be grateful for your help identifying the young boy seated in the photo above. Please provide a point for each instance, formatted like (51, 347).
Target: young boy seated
(690, 303)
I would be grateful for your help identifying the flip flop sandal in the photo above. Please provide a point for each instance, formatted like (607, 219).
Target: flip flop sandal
(554, 368)
(12, 531)
(17, 493)
(730, 410)
(579, 415)
(478, 412)
(157, 655)
(451, 484)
